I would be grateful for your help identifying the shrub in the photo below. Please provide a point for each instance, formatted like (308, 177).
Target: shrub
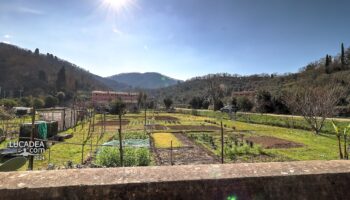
(110, 157)
(38, 103)
(50, 101)
(143, 157)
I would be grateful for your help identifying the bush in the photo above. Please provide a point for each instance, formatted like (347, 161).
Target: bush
(8, 103)
(50, 101)
(38, 103)
(244, 104)
(108, 157)
(143, 157)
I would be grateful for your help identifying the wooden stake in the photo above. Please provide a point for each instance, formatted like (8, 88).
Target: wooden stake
(222, 144)
(171, 152)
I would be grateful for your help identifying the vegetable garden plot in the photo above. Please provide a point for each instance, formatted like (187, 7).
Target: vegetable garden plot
(113, 123)
(156, 127)
(166, 118)
(194, 127)
(186, 154)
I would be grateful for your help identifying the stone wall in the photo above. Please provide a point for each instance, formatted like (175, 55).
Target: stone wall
(287, 180)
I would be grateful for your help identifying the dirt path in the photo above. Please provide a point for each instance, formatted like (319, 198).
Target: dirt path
(189, 154)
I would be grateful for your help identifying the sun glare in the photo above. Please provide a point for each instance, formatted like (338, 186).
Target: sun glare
(117, 5)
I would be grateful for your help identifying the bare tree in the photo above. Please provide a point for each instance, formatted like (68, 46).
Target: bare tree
(315, 104)
(215, 89)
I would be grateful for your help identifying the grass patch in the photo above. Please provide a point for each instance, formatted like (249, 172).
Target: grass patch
(163, 140)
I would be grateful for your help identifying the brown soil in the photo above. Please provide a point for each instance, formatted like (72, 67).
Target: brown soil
(157, 127)
(113, 123)
(188, 154)
(166, 118)
(194, 128)
(268, 142)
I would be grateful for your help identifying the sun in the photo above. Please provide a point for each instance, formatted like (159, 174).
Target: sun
(117, 5)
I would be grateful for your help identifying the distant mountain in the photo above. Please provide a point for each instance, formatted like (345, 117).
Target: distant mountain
(149, 80)
(25, 72)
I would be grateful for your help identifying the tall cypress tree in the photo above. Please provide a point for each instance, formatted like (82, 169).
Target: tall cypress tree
(342, 57)
(327, 67)
(61, 79)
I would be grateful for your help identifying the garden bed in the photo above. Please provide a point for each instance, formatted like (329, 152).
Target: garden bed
(194, 128)
(188, 153)
(113, 123)
(157, 127)
(166, 118)
(269, 142)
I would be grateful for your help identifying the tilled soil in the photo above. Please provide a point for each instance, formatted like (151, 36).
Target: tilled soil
(113, 123)
(268, 142)
(157, 127)
(189, 154)
(194, 128)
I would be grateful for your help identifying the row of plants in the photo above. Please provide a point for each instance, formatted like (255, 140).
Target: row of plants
(234, 148)
(109, 156)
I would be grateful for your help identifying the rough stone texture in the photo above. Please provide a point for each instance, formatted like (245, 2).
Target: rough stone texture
(287, 180)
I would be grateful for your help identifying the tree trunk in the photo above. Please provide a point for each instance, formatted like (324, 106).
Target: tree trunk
(339, 145)
(120, 141)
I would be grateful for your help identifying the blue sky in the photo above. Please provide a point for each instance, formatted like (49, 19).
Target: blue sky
(179, 38)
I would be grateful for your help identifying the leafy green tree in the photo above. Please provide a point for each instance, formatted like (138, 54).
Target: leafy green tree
(196, 102)
(264, 102)
(9, 103)
(38, 103)
(244, 104)
(168, 102)
(218, 104)
(50, 101)
(206, 104)
(26, 101)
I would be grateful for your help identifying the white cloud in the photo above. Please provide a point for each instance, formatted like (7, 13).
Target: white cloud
(117, 31)
(7, 36)
(30, 11)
